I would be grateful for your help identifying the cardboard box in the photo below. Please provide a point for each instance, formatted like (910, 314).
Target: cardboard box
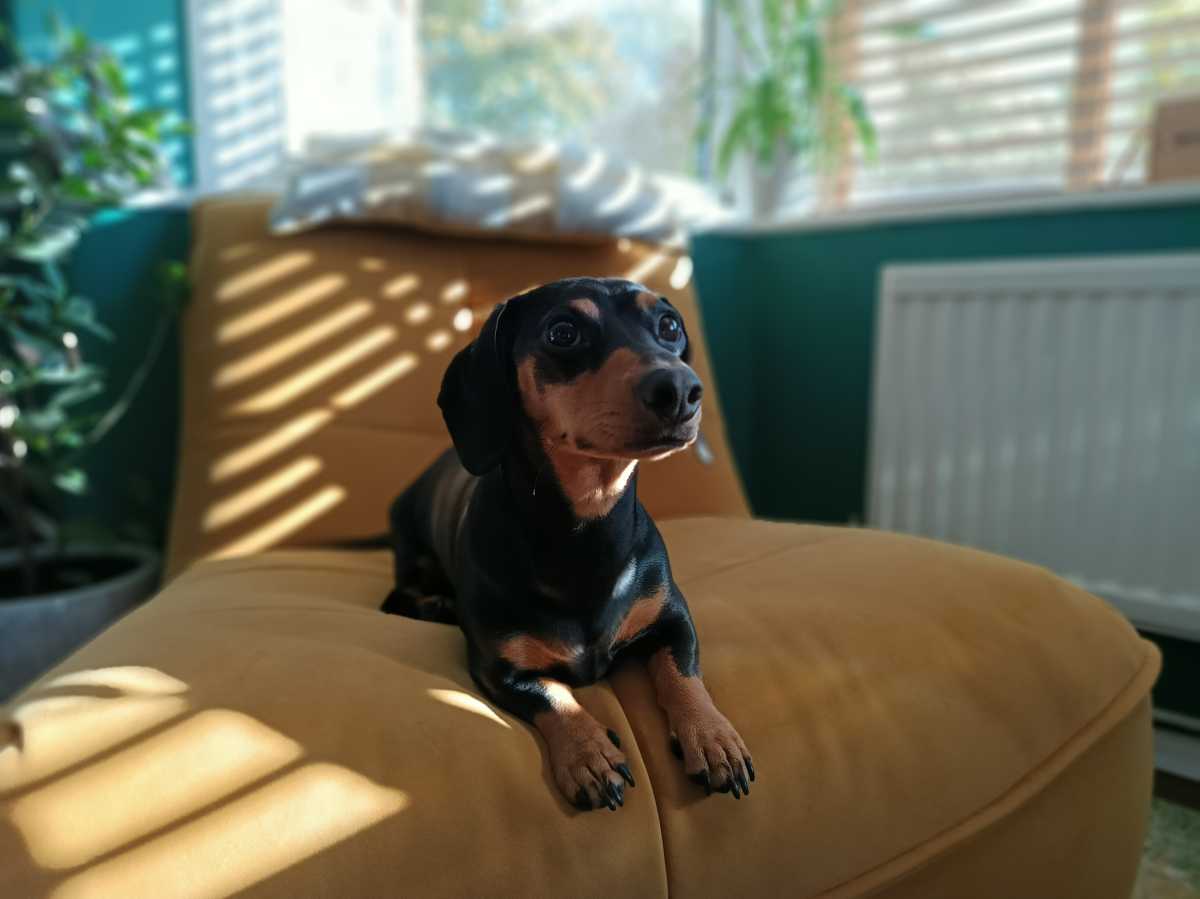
(1175, 143)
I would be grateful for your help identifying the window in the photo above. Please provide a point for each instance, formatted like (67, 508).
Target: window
(1003, 97)
(272, 77)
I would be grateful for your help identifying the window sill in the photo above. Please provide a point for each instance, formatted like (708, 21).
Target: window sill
(1104, 198)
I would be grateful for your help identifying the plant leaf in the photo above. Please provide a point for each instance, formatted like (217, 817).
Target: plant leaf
(73, 481)
(856, 107)
(79, 313)
(110, 71)
(50, 245)
(736, 136)
(76, 394)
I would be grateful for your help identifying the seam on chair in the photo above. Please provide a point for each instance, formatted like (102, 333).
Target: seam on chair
(756, 560)
(212, 430)
(344, 609)
(193, 577)
(662, 831)
(1032, 783)
(649, 781)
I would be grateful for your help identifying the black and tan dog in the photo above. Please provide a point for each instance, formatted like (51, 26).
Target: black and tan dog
(531, 537)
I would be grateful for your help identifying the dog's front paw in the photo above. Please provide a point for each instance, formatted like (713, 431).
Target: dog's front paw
(714, 754)
(589, 767)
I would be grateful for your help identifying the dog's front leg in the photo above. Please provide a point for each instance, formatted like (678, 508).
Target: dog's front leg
(713, 752)
(585, 756)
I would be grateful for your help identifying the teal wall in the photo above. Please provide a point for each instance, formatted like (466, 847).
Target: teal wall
(132, 471)
(796, 318)
(725, 302)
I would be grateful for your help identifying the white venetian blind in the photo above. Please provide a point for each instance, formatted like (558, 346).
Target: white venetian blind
(270, 76)
(274, 78)
(1003, 97)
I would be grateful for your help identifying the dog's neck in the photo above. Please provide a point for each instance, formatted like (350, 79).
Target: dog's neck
(569, 495)
(591, 486)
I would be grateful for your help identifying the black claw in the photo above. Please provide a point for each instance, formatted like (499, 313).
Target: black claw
(607, 798)
(734, 786)
(616, 791)
(623, 770)
(582, 801)
(750, 768)
(612, 735)
(743, 783)
(676, 747)
(701, 777)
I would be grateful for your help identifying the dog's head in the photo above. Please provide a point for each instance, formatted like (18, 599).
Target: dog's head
(597, 366)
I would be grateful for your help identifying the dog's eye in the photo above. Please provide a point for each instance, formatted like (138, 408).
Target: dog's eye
(669, 329)
(562, 334)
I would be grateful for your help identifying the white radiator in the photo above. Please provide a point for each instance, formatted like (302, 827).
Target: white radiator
(1049, 411)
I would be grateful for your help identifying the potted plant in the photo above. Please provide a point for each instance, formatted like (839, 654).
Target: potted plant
(783, 97)
(72, 144)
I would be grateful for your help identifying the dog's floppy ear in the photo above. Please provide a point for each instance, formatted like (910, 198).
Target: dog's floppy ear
(686, 355)
(478, 394)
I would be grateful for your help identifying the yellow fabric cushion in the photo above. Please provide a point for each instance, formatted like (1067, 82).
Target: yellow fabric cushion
(927, 721)
(312, 364)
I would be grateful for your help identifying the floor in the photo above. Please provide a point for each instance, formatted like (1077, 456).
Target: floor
(1171, 859)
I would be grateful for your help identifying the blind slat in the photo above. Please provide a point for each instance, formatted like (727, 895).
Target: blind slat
(981, 171)
(1059, 75)
(949, 10)
(907, 48)
(1175, 29)
(977, 147)
(931, 117)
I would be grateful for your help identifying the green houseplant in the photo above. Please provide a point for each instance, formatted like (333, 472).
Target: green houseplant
(72, 143)
(786, 101)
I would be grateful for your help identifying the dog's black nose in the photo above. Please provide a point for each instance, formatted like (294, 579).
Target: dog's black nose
(673, 394)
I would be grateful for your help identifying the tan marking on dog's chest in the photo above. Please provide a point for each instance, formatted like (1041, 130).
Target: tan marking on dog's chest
(641, 616)
(592, 486)
(528, 653)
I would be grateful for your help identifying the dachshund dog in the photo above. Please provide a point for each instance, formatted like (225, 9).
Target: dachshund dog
(529, 534)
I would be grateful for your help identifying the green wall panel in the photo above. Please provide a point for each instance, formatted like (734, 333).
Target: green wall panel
(132, 471)
(726, 302)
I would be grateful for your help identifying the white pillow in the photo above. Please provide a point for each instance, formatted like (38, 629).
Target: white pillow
(474, 183)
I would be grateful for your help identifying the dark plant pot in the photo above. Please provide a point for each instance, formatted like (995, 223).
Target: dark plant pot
(37, 632)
